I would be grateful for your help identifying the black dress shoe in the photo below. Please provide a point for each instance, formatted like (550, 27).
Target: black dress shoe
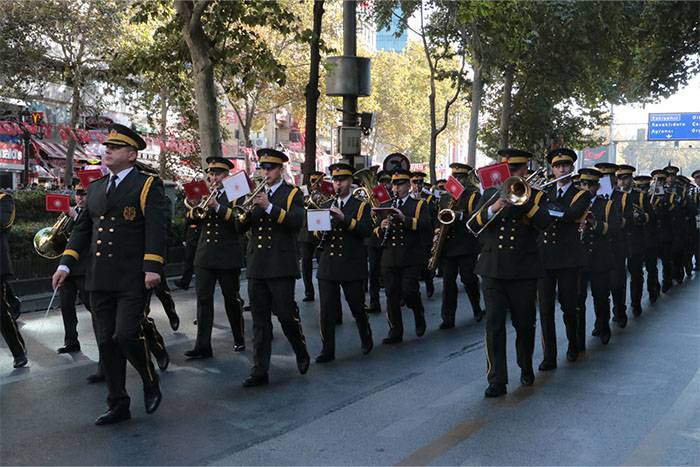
(303, 362)
(479, 315)
(239, 348)
(446, 325)
(596, 332)
(69, 348)
(95, 378)
(392, 340)
(252, 381)
(605, 336)
(196, 353)
(20, 361)
(637, 310)
(174, 320)
(527, 377)
(324, 358)
(572, 354)
(622, 321)
(666, 286)
(495, 390)
(547, 366)
(116, 414)
(152, 398)
(429, 289)
(308, 299)
(420, 328)
(163, 360)
(180, 285)
(373, 309)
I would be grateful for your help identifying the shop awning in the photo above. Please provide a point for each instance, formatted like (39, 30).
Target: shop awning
(60, 151)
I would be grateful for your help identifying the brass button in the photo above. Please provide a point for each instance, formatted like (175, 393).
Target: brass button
(208, 240)
(331, 253)
(500, 246)
(98, 254)
(500, 237)
(109, 255)
(102, 218)
(99, 242)
(208, 224)
(259, 237)
(259, 245)
(109, 243)
(208, 231)
(545, 242)
(503, 228)
(100, 229)
(269, 238)
(114, 219)
(111, 229)
(259, 228)
(512, 238)
(393, 244)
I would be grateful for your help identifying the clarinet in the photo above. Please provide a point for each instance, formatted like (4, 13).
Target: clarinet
(390, 229)
(321, 243)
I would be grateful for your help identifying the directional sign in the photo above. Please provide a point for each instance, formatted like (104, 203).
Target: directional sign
(674, 127)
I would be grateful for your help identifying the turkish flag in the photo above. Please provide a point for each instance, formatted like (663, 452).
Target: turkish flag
(57, 203)
(453, 187)
(381, 194)
(492, 176)
(327, 188)
(196, 190)
(88, 176)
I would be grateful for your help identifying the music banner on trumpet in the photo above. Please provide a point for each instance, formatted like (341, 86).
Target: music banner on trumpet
(318, 220)
(236, 185)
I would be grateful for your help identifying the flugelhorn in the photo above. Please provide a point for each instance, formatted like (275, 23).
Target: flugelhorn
(200, 210)
(244, 209)
(516, 190)
(50, 242)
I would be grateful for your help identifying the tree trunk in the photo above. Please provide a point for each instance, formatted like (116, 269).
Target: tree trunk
(477, 86)
(203, 73)
(312, 93)
(506, 106)
(163, 128)
(72, 143)
(433, 134)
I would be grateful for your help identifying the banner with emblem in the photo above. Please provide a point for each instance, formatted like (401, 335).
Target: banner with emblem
(381, 194)
(493, 176)
(236, 185)
(196, 190)
(55, 202)
(453, 187)
(318, 220)
(88, 176)
(327, 188)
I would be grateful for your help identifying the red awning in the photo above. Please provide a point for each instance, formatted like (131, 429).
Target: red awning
(59, 151)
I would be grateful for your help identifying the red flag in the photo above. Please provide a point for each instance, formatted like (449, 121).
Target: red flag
(327, 188)
(88, 176)
(196, 190)
(381, 194)
(453, 187)
(57, 203)
(492, 176)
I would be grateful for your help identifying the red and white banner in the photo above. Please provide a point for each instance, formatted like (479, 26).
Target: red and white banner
(57, 203)
(327, 188)
(236, 185)
(492, 176)
(88, 176)
(453, 187)
(196, 190)
(381, 194)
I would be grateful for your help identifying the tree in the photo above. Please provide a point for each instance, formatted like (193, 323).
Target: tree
(46, 42)
(312, 93)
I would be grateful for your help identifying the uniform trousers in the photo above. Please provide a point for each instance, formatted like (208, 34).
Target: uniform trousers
(308, 251)
(268, 297)
(8, 325)
(205, 282)
(72, 288)
(518, 297)
(561, 284)
(374, 256)
(635, 263)
(618, 279)
(599, 282)
(651, 258)
(329, 292)
(120, 319)
(464, 266)
(402, 283)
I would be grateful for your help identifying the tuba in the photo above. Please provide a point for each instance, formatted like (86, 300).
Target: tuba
(367, 179)
(50, 242)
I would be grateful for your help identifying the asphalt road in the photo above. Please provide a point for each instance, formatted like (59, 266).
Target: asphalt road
(634, 402)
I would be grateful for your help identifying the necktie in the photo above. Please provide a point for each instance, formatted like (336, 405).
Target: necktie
(112, 184)
(560, 193)
(269, 194)
(340, 204)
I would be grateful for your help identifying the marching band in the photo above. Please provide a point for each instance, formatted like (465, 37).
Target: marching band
(524, 244)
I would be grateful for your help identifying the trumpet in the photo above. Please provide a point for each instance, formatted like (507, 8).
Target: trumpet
(244, 209)
(50, 242)
(200, 210)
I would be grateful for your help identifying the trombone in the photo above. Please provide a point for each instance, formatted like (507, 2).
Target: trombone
(50, 242)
